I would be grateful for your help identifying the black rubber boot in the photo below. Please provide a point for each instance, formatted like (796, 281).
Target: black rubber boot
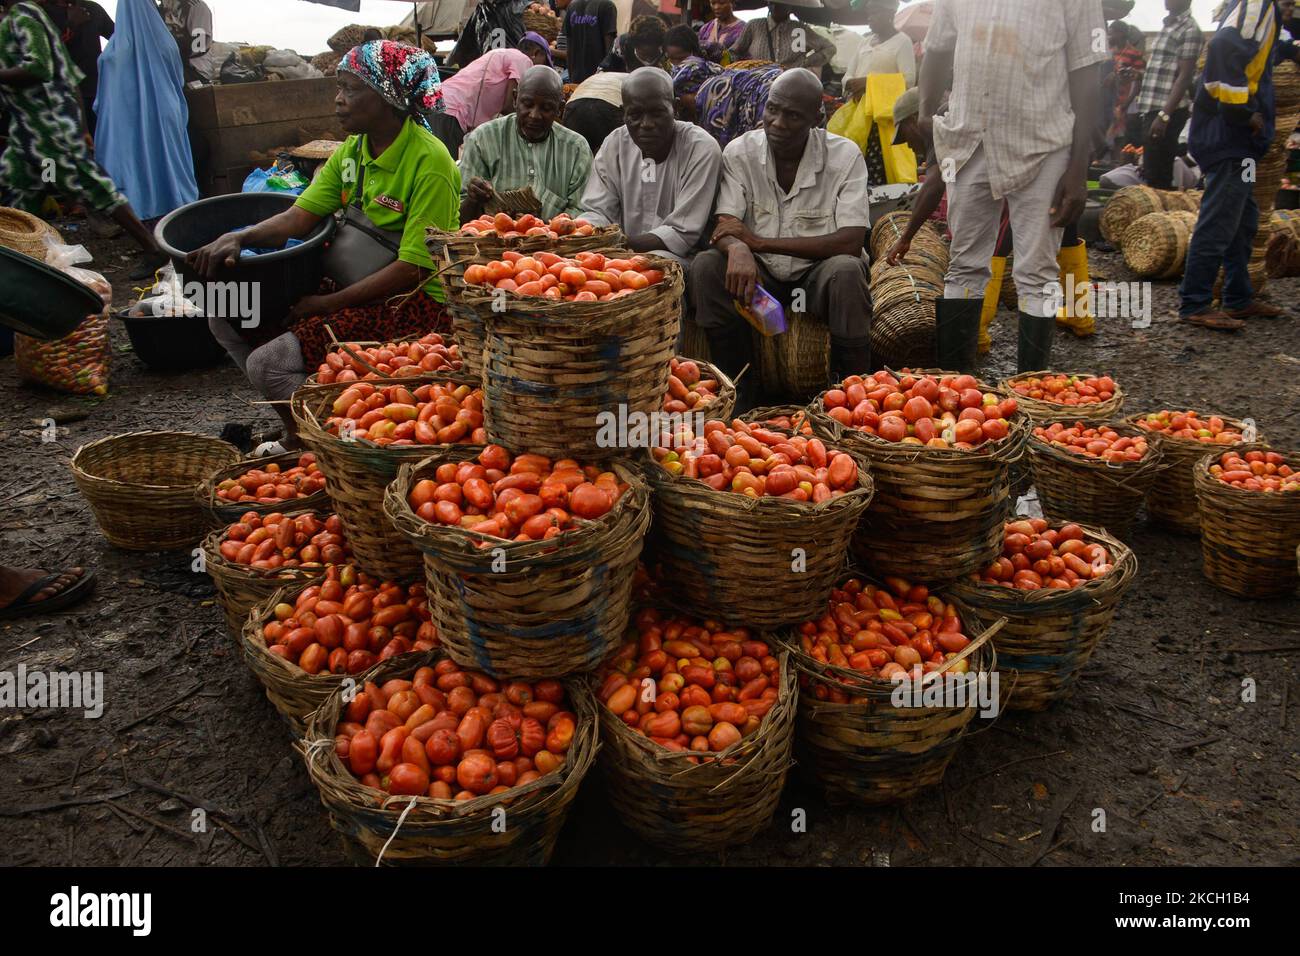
(1035, 351)
(957, 334)
(849, 360)
(732, 349)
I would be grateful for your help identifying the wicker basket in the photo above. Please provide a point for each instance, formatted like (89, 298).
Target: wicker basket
(421, 830)
(1042, 412)
(356, 473)
(293, 692)
(724, 405)
(1283, 255)
(240, 588)
(938, 513)
(731, 557)
(547, 25)
(222, 510)
(355, 362)
(683, 806)
(1133, 202)
(527, 609)
(25, 233)
(795, 363)
(1090, 491)
(869, 751)
(1155, 247)
(456, 251)
(1171, 501)
(903, 296)
(1050, 633)
(1248, 538)
(552, 369)
(116, 476)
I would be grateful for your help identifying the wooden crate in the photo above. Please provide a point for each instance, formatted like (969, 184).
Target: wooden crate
(237, 120)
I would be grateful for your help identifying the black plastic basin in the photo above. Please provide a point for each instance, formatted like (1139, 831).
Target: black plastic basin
(169, 343)
(283, 277)
(41, 301)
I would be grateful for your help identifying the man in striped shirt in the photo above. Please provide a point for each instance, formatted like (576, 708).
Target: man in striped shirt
(527, 148)
(1163, 102)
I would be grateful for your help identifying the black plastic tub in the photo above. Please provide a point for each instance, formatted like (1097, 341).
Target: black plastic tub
(167, 343)
(283, 277)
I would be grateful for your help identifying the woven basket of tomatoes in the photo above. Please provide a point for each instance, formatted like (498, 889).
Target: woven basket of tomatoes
(529, 562)
(594, 334)
(697, 724)
(489, 236)
(434, 765)
(1048, 397)
(1249, 501)
(301, 643)
(140, 486)
(697, 386)
(752, 524)
(431, 354)
(252, 558)
(860, 739)
(1093, 472)
(362, 432)
(940, 447)
(1186, 438)
(1058, 585)
(263, 485)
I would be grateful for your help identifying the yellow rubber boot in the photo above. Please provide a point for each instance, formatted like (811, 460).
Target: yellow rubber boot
(1073, 262)
(992, 293)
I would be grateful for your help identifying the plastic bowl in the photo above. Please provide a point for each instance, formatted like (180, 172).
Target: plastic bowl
(172, 343)
(41, 301)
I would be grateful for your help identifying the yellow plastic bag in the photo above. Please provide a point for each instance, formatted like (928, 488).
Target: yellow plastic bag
(852, 121)
(883, 91)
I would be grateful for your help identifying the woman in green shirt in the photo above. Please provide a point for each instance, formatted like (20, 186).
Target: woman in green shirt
(387, 92)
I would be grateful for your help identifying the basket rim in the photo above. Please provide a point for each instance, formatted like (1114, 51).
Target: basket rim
(1152, 459)
(1007, 384)
(1202, 478)
(455, 238)
(787, 637)
(79, 471)
(979, 594)
(205, 491)
(287, 577)
(1176, 442)
(317, 748)
(425, 534)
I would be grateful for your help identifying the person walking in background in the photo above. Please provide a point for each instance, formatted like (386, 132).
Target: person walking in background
(886, 51)
(1125, 80)
(84, 24)
(783, 40)
(719, 35)
(590, 27)
(47, 148)
(1233, 121)
(143, 143)
(1163, 102)
(1019, 129)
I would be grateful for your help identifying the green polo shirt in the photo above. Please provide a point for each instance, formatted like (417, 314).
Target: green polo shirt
(411, 185)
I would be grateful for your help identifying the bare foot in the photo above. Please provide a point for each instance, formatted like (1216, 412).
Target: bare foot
(14, 581)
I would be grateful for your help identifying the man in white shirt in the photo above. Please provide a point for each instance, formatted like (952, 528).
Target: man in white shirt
(655, 177)
(792, 217)
(1025, 79)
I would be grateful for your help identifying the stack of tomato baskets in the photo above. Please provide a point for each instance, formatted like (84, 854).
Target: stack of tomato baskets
(550, 539)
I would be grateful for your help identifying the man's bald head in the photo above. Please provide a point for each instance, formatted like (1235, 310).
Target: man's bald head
(794, 107)
(799, 88)
(541, 80)
(648, 84)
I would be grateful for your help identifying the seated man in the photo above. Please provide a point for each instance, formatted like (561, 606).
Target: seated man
(527, 148)
(792, 217)
(655, 177)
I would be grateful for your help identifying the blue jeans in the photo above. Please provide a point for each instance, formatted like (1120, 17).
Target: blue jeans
(1224, 233)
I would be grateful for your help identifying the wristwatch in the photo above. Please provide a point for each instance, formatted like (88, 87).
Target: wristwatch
(1164, 116)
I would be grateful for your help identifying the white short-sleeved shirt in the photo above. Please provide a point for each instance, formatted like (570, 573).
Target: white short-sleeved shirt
(1011, 69)
(829, 193)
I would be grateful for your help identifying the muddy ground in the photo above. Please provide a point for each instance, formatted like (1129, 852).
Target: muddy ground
(1156, 736)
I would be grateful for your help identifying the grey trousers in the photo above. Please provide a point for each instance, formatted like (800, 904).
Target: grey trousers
(835, 291)
(275, 369)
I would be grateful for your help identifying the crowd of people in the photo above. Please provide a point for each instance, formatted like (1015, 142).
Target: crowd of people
(706, 144)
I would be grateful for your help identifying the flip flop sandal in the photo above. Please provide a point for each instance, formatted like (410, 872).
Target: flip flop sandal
(1219, 321)
(22, 605)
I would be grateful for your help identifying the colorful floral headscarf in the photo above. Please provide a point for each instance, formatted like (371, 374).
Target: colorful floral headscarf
(406, 77)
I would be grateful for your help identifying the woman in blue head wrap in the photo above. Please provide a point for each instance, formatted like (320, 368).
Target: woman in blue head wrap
(387, 94)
